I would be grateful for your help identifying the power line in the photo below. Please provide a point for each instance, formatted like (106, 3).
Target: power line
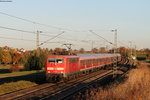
(28, 20)
(26, 31)
(28, 40)
(33, 22)
(16, 29)
(51, 38)
(16, 39)
(101, 37)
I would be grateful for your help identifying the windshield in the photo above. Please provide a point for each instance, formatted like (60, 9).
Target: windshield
(55, 60)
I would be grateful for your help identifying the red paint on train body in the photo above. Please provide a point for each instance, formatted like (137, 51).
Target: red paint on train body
(65, 65)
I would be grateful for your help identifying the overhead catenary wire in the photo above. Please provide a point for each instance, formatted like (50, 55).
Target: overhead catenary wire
(28, 40)
(34, 22)
(15, 38)
(101, 37)
(16, 29)
(51, 38)
(26, 31)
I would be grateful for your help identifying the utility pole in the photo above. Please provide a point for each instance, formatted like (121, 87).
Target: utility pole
(37, 38)
(69, 47)
(115, 40)
(115, 51)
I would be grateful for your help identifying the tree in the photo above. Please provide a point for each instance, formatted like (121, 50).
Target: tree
(16, 58)
(94, 50)
(102, 50)
(6, 57)
(82, 50)
(36, 60)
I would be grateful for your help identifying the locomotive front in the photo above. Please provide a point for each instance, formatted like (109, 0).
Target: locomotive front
(55, 67)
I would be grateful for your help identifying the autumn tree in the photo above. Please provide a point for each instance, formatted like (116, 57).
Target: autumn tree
(36, 60)
(6, 57)
(17, 58)
(102, 50)
(82, 50)
(94, 50)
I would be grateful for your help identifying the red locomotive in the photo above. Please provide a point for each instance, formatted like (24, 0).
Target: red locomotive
(65, 66)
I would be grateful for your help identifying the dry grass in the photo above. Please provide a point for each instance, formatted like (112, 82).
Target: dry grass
(136, 87)
(15, 86)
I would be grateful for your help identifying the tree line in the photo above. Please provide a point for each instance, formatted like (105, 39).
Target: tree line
(36, 59)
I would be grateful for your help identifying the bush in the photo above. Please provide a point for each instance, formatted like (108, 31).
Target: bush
(35, 61)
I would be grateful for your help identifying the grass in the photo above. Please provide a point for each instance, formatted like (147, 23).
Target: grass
(18, 74)
(136, 87)
(20, 80)
(15, 86)
(147, 61)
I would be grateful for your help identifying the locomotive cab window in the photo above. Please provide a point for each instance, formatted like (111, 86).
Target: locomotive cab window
(55, 60)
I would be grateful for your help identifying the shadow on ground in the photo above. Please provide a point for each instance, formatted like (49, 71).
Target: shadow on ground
(38, 78)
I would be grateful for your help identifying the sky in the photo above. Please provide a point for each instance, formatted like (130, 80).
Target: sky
(131, 18)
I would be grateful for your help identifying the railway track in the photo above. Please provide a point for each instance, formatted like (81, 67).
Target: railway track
(47, 89)
(60, 90)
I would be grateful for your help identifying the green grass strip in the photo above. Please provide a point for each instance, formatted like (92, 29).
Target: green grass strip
(147, 61)
(18, 73)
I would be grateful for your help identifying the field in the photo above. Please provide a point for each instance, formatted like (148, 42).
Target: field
(11, 82)
(135, 87)
(15, 86)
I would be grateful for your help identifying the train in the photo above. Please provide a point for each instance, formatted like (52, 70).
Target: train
(64, 67)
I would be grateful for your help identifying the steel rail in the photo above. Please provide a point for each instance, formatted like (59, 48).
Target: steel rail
(43, 89)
